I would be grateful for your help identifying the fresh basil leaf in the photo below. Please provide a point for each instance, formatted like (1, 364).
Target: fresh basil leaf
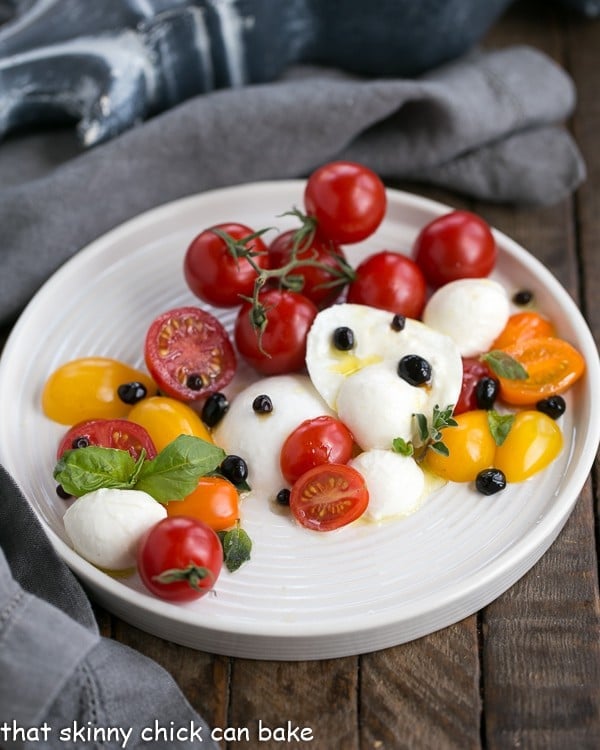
(175, 472)
(505, 366)
(500, 425)
(84, 470)
(400, 445)
(237, 547)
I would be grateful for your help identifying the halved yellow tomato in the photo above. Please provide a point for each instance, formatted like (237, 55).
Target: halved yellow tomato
(533, 442)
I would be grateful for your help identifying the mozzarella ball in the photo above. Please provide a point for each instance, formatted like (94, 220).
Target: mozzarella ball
(377, 406)
(106, 526)
(396, 483)
(472, 312)
(259, 437)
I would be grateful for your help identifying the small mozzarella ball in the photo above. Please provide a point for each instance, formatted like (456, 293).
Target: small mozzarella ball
(472, 312)
(106, 526)
(377, 406)
(259, 437)
(396, 483)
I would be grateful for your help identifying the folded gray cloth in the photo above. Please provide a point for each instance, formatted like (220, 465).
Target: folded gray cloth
(488, 125)
(62, 685)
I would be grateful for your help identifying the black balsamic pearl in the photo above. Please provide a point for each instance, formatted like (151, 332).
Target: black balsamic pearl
(80, 442)
(283, 497)
(553, 406)
(398, 323)
(490, 481)
(343, 338)
(262, 404)
(235, 469)
(522, 297)
(62, 493)
(486, 392)
(214, 409)
(195, 382)
(414, 369)
(131, 393)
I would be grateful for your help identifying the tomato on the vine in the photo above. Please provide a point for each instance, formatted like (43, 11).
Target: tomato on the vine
(457, 245)
(109, 433)
(347, 199)
(215, 272)
(281, 346)
(180, 559)
(314, 442)
(189, 354)
(214, 501)
(328, 497)
(321, 283)
(390, 281)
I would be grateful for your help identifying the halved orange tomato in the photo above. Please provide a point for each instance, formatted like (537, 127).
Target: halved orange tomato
(524, 325)
(552, 365)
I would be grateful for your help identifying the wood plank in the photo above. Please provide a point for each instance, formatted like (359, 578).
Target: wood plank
(424, 694)
(319, 696)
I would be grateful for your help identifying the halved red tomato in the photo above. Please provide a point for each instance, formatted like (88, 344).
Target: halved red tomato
(189, 354)
(328, 497)
(109, 433)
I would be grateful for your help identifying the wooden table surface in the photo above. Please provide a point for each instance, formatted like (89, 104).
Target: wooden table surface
(525, 671)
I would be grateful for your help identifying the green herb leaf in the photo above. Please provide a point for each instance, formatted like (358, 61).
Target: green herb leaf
(237, 547)
(400, 445)
(500, 425)
(174, 473)
(504, 365)
(423, 426)
(84, 470)
(439, 447)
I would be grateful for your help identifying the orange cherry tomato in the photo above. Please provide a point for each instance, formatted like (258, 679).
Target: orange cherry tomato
(534, 441)
(214, 501)
(524, 325)
(88, 388)
(471, 448)
(552, 366)
(166, 418)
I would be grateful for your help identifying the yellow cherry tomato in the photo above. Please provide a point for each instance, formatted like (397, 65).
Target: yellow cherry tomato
(471, 448)
(214, 501)
(166, 418)
(88, 388)
(534, 441)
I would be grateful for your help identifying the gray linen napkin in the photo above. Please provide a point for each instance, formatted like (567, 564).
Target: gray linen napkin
(487, 125)
(58, 677)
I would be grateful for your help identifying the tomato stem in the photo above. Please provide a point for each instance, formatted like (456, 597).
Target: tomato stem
(193, 574)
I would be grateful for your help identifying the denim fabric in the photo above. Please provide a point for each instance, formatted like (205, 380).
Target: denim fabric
(58, 677)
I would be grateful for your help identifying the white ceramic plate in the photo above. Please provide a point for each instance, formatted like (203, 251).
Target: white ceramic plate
(304, 595)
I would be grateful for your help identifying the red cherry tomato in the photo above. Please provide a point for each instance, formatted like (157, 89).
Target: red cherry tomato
(180, 559)
(348, 201)
(282, 347)
(329, 496)
(317, 281)
(457, 245)
(390, 281)
(109, 433)
(214, 274)
(473, 371)
(189, 354)
(314, 442)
